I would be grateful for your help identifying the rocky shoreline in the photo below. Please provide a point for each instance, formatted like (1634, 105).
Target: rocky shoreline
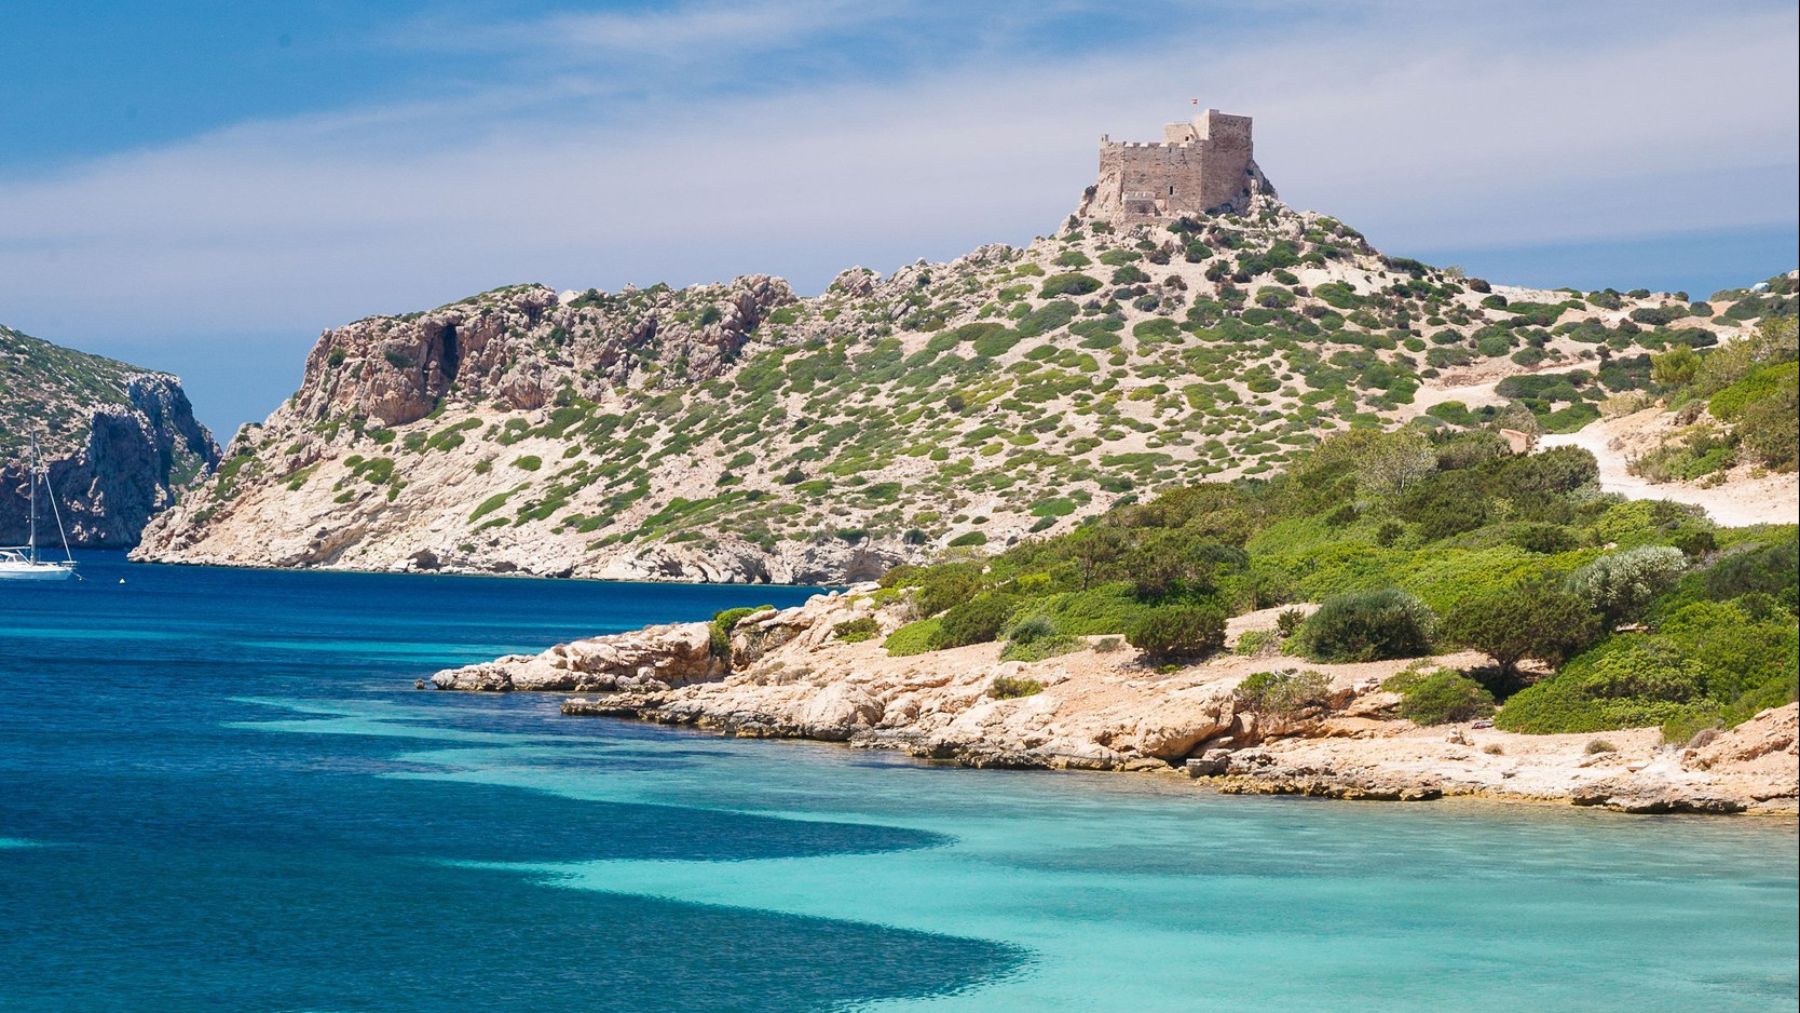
(792, 673)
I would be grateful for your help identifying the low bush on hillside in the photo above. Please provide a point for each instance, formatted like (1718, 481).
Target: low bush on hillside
(1708, 662)
(1035, 637)
(1285, 694)
(1619, 586)
(855, 631)
(1368, 626)
(976, 621)
(913, 638)
(1439, 696)
(1006, 687)
(1174, 632)
(1072, 283)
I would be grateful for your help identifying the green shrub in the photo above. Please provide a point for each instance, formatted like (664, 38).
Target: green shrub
(1559, 469)
(1251, 643)
(1440, 696)
(1108, 608)
(976, 621)
(1707, 661)
(719, 630)
(855, 631)
(1368, 626)
(1008, 688)
(913, 638)
(1071, 283)
(1169, 632)
(1545, 539)
(1772, 569)
(1035, 637)
(941, 587)
(1768, 432)
(1619, 586)
(1285, 694)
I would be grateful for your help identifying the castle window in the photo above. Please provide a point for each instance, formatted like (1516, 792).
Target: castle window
(1171, 190)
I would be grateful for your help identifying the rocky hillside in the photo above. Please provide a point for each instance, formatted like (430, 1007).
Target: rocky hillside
(120, 442)
(739, 432)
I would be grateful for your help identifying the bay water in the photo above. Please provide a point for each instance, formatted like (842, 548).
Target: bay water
(220, 790)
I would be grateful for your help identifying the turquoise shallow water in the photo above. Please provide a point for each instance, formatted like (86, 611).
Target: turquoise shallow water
(218, 790)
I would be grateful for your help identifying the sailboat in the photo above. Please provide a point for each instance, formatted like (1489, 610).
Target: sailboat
(21, 562)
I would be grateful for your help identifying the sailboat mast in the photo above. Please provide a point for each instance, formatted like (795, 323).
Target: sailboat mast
(31, 540)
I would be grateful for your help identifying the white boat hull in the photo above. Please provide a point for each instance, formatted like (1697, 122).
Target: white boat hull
(36, 571)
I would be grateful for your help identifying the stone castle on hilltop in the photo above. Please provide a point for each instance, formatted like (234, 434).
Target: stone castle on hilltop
(1205, 166)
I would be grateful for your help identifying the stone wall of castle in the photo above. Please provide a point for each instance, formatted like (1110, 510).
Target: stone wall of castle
(1198, 167)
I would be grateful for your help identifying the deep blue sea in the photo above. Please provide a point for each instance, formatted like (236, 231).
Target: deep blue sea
(219, 791)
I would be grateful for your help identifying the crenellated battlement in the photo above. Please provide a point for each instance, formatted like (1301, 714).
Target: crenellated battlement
(1205, 165)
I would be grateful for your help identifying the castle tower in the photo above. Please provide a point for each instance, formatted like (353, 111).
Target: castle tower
(1200, 167)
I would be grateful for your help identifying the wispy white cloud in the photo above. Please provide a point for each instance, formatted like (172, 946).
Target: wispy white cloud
(696, 30)
(1427, 129)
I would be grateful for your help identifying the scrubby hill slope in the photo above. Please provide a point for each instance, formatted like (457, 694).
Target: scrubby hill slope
(739, 432)
(119, 441)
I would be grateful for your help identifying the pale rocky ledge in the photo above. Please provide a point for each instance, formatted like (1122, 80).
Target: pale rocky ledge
(789, 675)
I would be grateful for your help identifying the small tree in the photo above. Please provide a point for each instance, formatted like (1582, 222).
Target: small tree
(1097, 550)
(1394, 462)
(1179, 631)
(1536, 621)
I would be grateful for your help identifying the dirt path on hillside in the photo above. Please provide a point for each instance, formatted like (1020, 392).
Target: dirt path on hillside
(1738, 502)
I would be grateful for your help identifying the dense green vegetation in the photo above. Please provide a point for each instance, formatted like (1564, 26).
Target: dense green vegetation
(1596, 612)
(1740, 401)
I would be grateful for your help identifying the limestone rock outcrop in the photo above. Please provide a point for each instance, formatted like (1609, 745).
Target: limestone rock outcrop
(790, 675)
(653, 658)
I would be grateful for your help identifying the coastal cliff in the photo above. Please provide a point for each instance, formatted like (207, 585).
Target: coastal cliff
(818, 671)
(120, 443)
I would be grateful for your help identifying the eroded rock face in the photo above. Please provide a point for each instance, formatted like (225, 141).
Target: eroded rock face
(492, 348)
(650, 659)
(132, 466)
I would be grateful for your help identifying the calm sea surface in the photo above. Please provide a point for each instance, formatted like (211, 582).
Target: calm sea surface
(219, 791)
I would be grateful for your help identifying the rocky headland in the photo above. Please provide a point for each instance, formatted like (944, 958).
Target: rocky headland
(817, 671)
(743, 432)
(120, 442)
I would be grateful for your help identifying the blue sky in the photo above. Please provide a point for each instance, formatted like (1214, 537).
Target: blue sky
(203, 187)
